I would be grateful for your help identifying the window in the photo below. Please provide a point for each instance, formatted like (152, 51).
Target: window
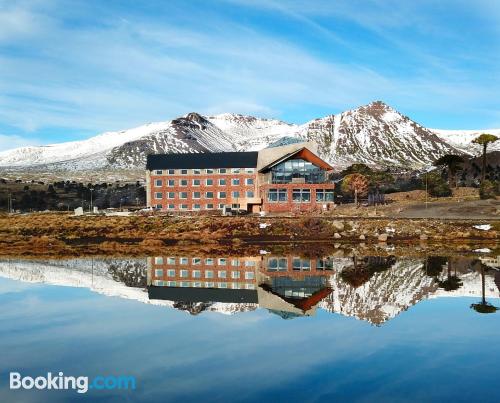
(209, 206)
(209, 284)
(236, 194)
(277, 264)
(235, 262)
(222, 261)
(158, 195)
(171, 195)
(235, 274)
(221, 195)
(209, 171)
(249, 275)
(196, 171)
(301, 264)
(196, 206)
(184, 284)
(158, 183)
(209, 182)
(184, 171)
(298, 170)
(222, 170)
(209, 195)
(170, 260)
(196, 274)
(250, 286)
(221, 205)
(277, 195)
(158, 172)
(209, 274)
(235, 170)
(158, 206)
(324, 195)
(183, 195)
(209, 261)
(183, 206)
(183, 273)
(196, 261)
(171, 283)
(235, 286)
(171, 171)
(235, 182)
(196, 195)
(221, 274)
(301, 195)
(196, 182)
(183, 260)
(249, 181)
(171, 206)
(159, 273)
(235, 206)
(324, 264)
(183, 182)
(249, 263)
(222, 182)
(171, 273)
(249, 193)
(197, 284)
(249, 170)
(222, 285)
(171, 183)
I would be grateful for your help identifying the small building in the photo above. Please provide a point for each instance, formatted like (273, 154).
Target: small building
(279, 179)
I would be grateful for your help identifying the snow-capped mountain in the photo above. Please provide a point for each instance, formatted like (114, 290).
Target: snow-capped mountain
(462, 139)
(374, 134)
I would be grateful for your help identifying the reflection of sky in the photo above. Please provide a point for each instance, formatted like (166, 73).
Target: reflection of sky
(439, 349)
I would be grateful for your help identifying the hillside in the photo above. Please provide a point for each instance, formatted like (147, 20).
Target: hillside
(374, 134)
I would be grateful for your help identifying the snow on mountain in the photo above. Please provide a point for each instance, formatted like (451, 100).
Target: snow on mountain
(250, 133)
(373, 134)
(462, 139)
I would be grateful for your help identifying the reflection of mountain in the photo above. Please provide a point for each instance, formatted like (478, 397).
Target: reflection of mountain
(286, 292)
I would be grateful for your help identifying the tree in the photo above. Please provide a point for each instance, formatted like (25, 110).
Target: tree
(484, 139)
(488, 189)
(453, 163)
(483, 306)
(437, 187)
(356, 184)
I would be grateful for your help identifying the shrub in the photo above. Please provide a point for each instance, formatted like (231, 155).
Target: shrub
(437, 186)
(488, 189)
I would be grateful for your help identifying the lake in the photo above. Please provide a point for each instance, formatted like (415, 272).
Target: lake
(193, 327)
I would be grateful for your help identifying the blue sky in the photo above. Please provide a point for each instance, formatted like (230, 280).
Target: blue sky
(71, 69)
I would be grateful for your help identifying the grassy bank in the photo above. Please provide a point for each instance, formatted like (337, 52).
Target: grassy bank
(64, 233)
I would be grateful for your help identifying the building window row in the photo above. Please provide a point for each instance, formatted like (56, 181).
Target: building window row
(204, 195)
(183, 273)
(208, 171)
(206, 284)
(206, 182)
(197, 261)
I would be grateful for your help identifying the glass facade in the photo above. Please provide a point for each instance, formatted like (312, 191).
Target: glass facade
(297, 168)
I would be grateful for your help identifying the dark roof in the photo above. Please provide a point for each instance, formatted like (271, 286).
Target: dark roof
(202, 294)
(202, 160)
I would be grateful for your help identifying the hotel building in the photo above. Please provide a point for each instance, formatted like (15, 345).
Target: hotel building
(280, 179)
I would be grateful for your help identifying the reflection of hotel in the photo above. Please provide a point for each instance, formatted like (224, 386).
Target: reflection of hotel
(287, 285)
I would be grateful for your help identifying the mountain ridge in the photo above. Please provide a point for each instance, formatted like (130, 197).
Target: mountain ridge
(375, 134)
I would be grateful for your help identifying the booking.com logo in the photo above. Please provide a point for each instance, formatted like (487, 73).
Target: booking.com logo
(81, 384)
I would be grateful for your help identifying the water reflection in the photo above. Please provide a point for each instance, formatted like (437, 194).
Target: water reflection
(372, 288)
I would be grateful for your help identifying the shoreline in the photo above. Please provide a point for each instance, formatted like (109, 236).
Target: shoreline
(63, 234)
